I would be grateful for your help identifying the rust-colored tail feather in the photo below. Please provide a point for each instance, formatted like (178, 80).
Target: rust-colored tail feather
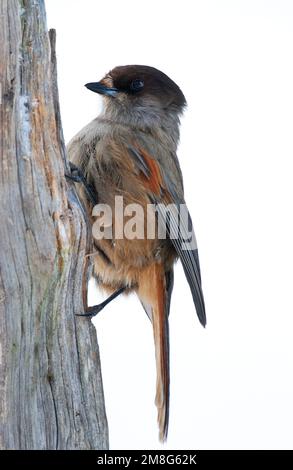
(161, 339)
(155, 291)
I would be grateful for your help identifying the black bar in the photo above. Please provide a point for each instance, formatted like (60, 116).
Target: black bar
(134, 459)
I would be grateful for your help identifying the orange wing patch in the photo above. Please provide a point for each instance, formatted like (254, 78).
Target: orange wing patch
(154, 181)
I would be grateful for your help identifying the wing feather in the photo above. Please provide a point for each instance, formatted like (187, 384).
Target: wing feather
(165, 196)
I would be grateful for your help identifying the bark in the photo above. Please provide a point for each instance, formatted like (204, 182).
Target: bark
(51, 394)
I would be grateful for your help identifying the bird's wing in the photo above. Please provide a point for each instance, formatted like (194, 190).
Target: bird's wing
(162, 181)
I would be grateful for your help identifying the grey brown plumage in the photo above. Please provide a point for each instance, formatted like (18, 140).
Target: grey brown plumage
(130, 151)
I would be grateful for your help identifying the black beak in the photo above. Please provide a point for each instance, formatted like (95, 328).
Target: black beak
(98, 87)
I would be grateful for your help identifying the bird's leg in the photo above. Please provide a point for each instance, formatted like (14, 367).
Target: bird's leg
(77, 176)
(94, 310)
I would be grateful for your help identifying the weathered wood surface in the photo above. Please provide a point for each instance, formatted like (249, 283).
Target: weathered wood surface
(51, 394)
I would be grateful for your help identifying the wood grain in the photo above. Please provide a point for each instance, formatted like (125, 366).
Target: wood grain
(51, 394)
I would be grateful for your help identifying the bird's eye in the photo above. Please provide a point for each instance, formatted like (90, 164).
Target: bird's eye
(137, 85)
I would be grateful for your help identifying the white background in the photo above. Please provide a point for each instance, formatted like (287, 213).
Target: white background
(231, 384)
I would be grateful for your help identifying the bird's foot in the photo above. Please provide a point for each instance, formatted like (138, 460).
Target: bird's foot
(78, 176)
(75, 174)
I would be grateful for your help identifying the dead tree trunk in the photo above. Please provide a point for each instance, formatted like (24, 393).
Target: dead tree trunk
(51, 394)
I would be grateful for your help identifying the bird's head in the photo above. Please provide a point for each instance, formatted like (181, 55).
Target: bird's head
(139, 89)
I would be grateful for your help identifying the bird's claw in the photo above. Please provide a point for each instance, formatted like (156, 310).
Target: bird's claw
(75, 174)
(91, 311)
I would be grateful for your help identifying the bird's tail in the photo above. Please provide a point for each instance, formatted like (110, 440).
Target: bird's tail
(161, 339)
(157, 302)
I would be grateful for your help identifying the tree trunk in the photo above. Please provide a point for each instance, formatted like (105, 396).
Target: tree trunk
(51, 394)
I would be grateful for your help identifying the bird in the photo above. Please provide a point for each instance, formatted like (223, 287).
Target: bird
(130, 151)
